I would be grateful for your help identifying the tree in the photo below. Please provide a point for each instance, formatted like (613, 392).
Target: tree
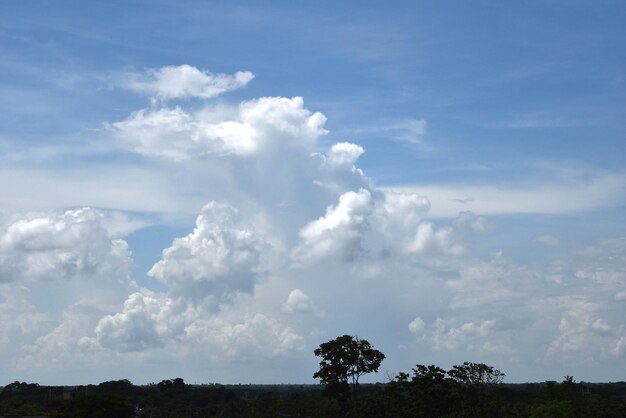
(430, 393)
(428, 374)
(477, 381)
(476, 374)
(345, 359)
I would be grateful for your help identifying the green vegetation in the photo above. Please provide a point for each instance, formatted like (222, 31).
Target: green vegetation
(428, 391)
(466, 390)
(345, 358)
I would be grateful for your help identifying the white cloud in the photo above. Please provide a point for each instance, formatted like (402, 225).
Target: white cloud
(401, 213)
(611, 251)
(569, 197)
(53, 350)
(604, 263)
(258, 336)
(344, 153)
(482, 283)
(61, 271)
(547, 239)
(417, 325)
(469, 336)
(582, 332)
(184, 81)
(283, 121)
(138, 327)
(394, 221)
(432, 241)
(176, 135)
(150, 322)
(338, 234)
(222, 256)
(411, 130)
(268, 124)
(123, 188)
(20, 319)
(477, 224)
(620, 347)
(336, 170)
(76, 243)
(298, 301)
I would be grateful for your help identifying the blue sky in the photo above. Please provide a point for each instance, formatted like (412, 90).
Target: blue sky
(451, 186)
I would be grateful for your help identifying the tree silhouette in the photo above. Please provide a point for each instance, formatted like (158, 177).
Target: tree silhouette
(345, 359)
(476, 374)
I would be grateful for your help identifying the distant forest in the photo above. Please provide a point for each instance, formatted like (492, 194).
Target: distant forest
(407, 395)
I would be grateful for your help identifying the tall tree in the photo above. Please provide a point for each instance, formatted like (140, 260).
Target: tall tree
(344, 359)
(476, 374)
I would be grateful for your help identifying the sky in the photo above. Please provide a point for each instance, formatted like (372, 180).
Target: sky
(210, 190)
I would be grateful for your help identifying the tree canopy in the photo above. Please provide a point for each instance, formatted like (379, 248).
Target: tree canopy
(476, 373)
(344, 359)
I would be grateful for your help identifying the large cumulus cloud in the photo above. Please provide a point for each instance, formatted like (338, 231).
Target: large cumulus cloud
(220, 257)
(253, 127)
(149, 321)
(293, 204)
(62, 246)
(60, 272)
(337, 234)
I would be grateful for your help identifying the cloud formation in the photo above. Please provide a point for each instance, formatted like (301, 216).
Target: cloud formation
(141, 324)
(571, 196)
(222, 256)
(150, 321)
(185, 81)
(295, 245)
(266, 124)
(337, 234)
(298, 302)
(64, 246)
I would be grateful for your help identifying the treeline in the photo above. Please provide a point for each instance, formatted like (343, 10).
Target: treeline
(467, 390)
(120, 399)
(476, 390)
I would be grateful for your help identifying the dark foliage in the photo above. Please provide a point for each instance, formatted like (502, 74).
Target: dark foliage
(344, 360)
(427, 391)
